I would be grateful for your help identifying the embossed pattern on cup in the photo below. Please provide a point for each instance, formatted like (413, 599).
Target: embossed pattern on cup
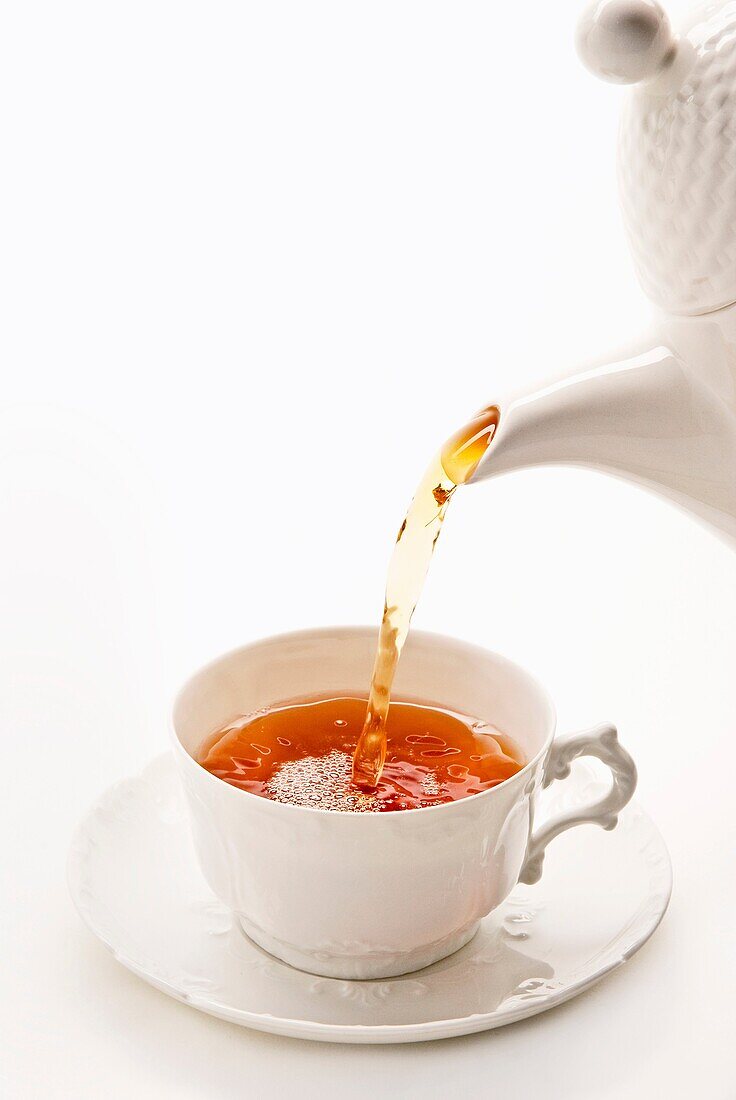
(364, 895)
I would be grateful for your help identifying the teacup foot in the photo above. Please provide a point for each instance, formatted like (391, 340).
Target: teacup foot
(359, 967)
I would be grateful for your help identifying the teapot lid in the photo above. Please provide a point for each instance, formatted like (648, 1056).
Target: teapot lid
(677, 144)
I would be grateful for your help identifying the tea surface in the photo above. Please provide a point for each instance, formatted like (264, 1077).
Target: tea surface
(302, 753)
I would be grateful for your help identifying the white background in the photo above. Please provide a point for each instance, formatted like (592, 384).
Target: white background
(258, 259)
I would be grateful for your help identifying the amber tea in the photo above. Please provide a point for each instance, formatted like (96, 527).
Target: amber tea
(377, 754)
(301, 753)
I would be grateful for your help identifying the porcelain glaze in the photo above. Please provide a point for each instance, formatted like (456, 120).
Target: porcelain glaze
(663, 416)
(625, 41)
(663, 413)
(677, 144)
(135, 879)
(375, 895)
(677, 169)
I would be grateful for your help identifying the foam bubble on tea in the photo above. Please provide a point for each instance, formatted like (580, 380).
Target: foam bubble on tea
(415, 542)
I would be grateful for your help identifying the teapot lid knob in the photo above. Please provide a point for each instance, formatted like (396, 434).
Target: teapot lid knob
(625, 41)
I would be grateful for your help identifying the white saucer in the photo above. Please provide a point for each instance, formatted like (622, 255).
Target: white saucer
(135, 881)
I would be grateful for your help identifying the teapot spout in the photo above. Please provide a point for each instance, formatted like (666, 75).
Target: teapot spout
(646, 418)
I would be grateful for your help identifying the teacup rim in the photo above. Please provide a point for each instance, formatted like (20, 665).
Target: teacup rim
(362, 629)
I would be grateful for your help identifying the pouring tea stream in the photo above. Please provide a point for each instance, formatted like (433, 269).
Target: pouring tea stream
(662, 414)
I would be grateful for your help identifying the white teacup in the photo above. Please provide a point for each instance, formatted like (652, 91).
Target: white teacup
(376, 895)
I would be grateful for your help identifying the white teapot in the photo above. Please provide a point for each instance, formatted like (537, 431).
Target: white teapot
(664, 415)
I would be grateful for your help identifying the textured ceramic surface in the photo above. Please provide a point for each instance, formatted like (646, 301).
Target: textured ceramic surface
(677, 145)
(134, 878)
(376, 895)
(662, 414)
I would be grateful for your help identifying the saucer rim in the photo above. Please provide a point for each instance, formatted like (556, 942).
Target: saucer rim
(361, 1034)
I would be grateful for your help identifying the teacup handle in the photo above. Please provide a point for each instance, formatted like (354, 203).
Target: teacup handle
(600, 741)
